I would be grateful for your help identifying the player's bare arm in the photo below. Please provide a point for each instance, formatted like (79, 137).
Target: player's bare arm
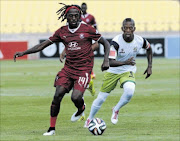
(62, 56)
(95, 46)
(106, 45)
(34, 49)
(114, 63)
(149, 58)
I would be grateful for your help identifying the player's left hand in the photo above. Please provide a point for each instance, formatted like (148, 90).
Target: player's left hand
(148, 71)
(105, 65)
(61, 58)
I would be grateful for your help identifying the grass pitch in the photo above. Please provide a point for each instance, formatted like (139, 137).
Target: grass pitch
(27, 90)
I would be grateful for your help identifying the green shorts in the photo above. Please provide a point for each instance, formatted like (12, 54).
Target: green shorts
(110, 80)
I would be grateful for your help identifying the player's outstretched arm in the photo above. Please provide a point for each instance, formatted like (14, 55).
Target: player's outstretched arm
(34, 49)
(149, 58)
(114, 63)
(106, 45)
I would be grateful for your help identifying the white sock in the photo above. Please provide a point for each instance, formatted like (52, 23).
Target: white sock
(97, 104)
(129, 88)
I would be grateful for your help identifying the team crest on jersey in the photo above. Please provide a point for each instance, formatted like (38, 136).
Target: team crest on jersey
(87, 20)
(122, 51)
(81, 36)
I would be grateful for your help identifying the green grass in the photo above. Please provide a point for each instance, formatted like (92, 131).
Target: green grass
(27, 90)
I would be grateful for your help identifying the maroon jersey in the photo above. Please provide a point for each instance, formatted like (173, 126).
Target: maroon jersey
(89, 19)
(79, 54)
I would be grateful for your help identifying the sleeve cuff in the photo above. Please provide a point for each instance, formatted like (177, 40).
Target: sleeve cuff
(50, 41)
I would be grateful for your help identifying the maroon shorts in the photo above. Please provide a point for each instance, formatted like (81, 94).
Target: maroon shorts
(68, 80)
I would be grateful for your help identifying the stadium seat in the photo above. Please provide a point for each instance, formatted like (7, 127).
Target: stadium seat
(38, 17)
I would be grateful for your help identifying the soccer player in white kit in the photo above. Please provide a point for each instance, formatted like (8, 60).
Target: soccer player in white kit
(123, 51)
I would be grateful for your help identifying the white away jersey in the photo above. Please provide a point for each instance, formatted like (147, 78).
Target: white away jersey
(121, 50)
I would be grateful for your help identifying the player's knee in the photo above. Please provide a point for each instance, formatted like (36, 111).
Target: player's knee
(76, 97)
(103, 96)
(59, 94)
(73, 98)
(129, 92)
(129, 89)
(57, 98)
(100, 99)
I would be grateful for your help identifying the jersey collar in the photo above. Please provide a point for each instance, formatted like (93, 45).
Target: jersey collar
(84, 16)
(126, 41)
(75, 29)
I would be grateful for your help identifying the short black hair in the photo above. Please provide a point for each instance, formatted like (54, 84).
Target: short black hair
(128, 20)
(84, 3)
(63, 9)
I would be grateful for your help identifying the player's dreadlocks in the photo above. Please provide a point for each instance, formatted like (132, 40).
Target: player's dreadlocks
(63, 11)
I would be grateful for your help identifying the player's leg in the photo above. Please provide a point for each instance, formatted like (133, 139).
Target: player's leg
(109, 83)
(55, 108)
(78, 100)
(93, 76)
(90, 87)
(129, 88)
(63, 85)
(80, 85)
(128, 84)
(96, 105)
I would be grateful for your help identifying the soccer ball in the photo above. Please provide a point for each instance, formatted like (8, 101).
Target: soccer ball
(97, 126)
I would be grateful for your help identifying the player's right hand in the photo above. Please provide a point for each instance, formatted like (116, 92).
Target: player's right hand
(130, 61)
(18, 54)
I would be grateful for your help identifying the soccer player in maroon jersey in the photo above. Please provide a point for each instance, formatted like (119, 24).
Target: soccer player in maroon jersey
(77, 38)
(86, 17)
(90, 20)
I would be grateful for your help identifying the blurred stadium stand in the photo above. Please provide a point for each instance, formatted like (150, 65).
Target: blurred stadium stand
(40, 16)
